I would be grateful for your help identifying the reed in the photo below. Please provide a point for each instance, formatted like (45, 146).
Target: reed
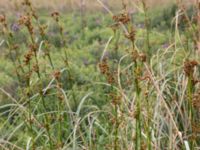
(116, 82)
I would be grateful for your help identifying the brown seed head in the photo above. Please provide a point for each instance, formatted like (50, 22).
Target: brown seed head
(36, 68)
(143, 57)
(103, 66)
(57, 75)
(24, 20)
(34, 14)
(42, 29)
(110, 78)
(27, 57)
(33, 47)
(55, 15)
(196, 100)
(131, 35)
(134, 55)
(2, 18)
(26, 2)
(15, 46)
(115, 98)
(189, 67)
(123, 18)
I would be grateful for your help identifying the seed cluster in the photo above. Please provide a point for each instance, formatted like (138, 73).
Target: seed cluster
(122, 18)
(55, 16)
(196, 100)
(105, 70)
(26, 21)
(189, 67)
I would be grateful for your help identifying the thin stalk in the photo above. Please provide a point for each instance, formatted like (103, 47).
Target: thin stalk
(29, 104)
(147, 26)
(46, 123)
(138, 114)
(116, 129)
(190, 106)
(148, 123)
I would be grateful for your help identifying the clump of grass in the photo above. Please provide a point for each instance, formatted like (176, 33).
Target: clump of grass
(137, 99)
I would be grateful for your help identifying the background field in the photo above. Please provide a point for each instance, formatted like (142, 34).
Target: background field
(75, 4)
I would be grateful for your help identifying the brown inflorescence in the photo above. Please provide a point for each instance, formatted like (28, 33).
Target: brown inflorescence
(189, 67)
(196, 100)
(34, 14)
(115, 98)
(2, 18)
(143, 57)
(15, 46)
(55, 15)
(122, 18)
(33, 47)
(57, 75)
(131, 34)
(26, 2)
(196, 127)
(3, 21)
(26, 21)
(36, 68)
(134, 55)
(27, 57)
(42, 29)
(105, 70)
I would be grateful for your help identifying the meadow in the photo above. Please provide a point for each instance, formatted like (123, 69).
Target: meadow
(99, 75)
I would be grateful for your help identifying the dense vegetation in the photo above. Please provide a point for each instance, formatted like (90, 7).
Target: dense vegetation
(103, 80)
